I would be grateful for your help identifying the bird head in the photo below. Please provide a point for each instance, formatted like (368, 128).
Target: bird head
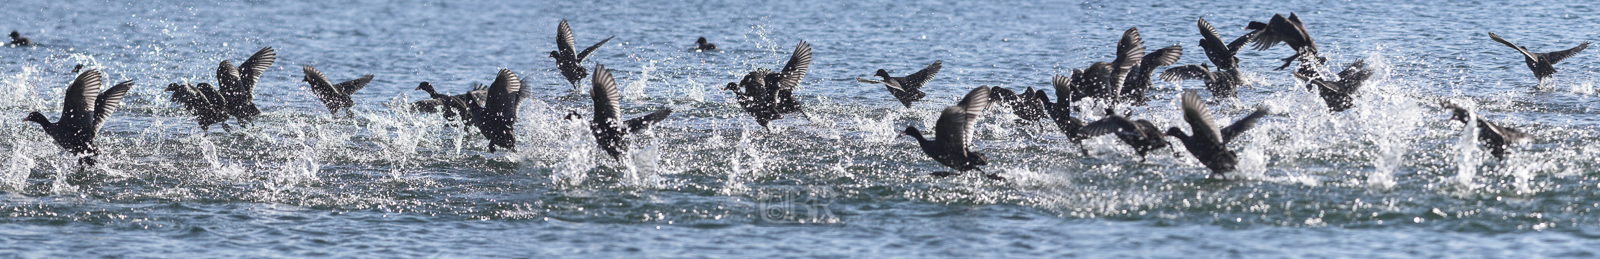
(911, 131)
(731, 87)
(37, 117)
(424, 86)
(14, 34)
(555, 54)
(882, 73)
(701, 41)
(173, 87)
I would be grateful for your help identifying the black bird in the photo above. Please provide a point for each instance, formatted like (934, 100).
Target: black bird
(954, 134)
(18, 41)
(768, 95)
(452, 105)
(607, 124)
(496, 118)
(1542, 64)
(1496, 137)
(237, 84)
(83, 111)
(1094, 81)
(1221, 83)
(1339, 94)
(1130, 52)
(1026, 106)
(702, 45)
(567, 57)
(1291, 32)
(1138, 80)
(335, 96)
(1061, 112)
(1142, 135)
(1220, 54)
(1210, 144)
(909, 88)
(77, 68)
(203, 101)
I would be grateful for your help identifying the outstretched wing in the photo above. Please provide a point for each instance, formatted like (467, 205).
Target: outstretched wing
(1160, 58)
(251, 69)
(1002, 96)
(503, 93)
(564, 41)
(587, 51)
(956, 122)
(643, 122)
(320, 86)
(795, 70)
(108, 102)
(916, 80)
(228, 80)
(1108, 125)
(1064, 88)
(1558, 56)
(1187, 72)
(1130, 51)
(1194, 112)
(350, 87)
(1244, 124)
(605, 96)
(84, 90)
(1524, 52)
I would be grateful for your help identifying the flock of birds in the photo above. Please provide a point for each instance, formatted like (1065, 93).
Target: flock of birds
(766, 95)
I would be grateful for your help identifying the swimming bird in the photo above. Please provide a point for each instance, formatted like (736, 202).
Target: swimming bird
(1223, 55)
(1026, 106)
(1210, 144)
(1497, 138)
(954, 135)
(452, 105)
(702, 45)
(1142, 135)
(567, 58)
(768, 95)
(237, 84)
(1542, 64)
(607, 124)
(18, 41)
(203, 102)
(1061, 112)
(906, 89)
(1221, 83)
(334, 96)
(1291, 32)
(496, 117)
(1138, 80)
(1339, 94)
(84, 109)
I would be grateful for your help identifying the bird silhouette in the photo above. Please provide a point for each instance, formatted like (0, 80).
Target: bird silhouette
(1542, 64)
(768, 95)
(334, 96)
(953, 134)
(568, 60)
(84, 110)
(1210, 144)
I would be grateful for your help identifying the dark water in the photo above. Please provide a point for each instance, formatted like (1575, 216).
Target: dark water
(1390, 178)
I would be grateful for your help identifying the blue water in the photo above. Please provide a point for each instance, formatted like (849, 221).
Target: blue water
(1389, 178)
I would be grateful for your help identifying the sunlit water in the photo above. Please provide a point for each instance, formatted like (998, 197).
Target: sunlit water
(1390, 177)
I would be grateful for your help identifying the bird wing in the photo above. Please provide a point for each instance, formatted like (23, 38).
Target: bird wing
(1002, 96)
(1194, 112)
(1558, 56)
(108, 102)
(1187, 72)
(1212, 43)
(1278, 30)
(956, 122)
(915, 80)
(319, 86)
(590, 50)
(643, 122)
(350, 87)
(1244, 124)
(75, 109)
(1524, 52)
(1510, 135)
(1064, 88)
(1130, 51)
(605, 95)
(795, 70)
(1094, 81)
(1356, 71)
(1108, 125)
(251, 69)
(869, 81)
(1160, 58)
(502, 93)
(228, 79)
(564, 41)
(1304, 37)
